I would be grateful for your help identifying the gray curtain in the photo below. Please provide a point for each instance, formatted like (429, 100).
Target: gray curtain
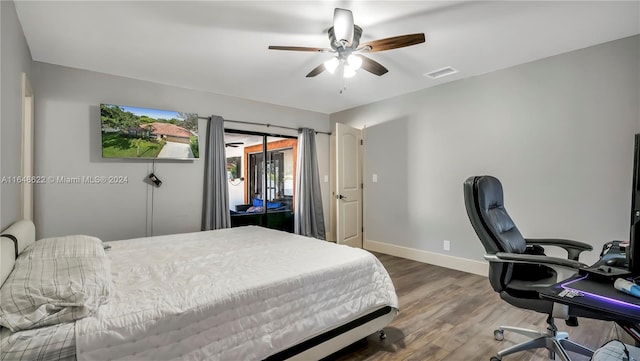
(309, 216)
(215, 206)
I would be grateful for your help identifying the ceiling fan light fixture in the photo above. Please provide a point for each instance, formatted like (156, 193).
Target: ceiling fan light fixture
(354, 62)
(331, 65)
(348, 72)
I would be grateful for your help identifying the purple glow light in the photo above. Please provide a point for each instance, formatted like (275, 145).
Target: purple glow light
(601, 298)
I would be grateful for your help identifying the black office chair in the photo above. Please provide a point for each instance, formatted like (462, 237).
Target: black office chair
(518, 268)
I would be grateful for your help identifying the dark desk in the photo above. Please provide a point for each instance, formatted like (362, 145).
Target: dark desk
(607, 302)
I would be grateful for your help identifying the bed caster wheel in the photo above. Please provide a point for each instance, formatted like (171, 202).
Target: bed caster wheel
(499, 336)
(383, 335)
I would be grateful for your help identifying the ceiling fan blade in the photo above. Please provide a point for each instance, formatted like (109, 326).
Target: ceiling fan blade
(372, 66)
(392, 43)
(299, 48)
(317, 70)
(343, 26)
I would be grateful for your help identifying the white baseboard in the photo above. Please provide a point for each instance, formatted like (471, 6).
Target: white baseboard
(438, 259)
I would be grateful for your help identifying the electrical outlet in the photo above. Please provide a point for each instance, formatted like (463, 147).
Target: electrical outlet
(446, 245)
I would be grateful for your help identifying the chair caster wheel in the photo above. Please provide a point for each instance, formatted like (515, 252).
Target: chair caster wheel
(494, 359)
(499, 336)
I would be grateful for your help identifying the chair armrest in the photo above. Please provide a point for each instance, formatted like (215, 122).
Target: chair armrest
(564, 268)
(535, 259)
(573, 248)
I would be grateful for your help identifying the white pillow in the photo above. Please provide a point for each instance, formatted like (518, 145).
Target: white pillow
(67, 246)
(55, 280)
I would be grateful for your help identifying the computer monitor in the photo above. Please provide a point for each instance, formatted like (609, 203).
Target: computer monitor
(633, 251)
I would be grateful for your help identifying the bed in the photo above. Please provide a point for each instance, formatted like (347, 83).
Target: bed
(246, 293)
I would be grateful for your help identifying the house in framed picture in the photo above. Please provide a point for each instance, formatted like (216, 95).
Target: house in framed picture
(169, 132)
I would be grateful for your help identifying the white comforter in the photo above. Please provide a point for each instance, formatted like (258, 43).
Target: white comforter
(236, 294)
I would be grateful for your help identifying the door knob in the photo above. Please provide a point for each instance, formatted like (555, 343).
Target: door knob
(340, 196)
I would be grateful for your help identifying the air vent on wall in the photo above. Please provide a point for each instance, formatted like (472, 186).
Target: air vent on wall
(441, 72)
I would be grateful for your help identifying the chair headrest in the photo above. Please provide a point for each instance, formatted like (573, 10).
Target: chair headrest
(490, 219)
(490, 193)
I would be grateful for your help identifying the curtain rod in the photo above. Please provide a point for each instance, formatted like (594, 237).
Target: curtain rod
(264, 124)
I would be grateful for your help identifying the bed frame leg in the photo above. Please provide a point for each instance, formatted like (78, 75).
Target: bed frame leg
(382, 335)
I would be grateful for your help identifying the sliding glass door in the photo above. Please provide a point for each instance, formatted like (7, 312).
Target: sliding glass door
(261, 172)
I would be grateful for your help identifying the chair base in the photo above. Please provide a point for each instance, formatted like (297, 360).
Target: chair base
(557, 343)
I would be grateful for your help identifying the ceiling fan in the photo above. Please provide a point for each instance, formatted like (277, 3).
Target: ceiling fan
(233, 144)
(344, 38)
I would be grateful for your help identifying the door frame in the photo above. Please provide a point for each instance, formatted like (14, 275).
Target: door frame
(288, 142)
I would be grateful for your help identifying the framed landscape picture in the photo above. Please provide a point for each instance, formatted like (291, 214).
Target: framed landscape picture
(144, 133)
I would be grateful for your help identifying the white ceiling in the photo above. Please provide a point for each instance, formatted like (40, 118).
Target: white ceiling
(221, 46)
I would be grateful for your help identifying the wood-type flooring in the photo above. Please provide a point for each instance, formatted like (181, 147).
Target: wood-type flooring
(450, 315)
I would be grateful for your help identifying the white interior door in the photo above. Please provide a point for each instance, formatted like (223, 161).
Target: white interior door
(348, 196)
(27, 148)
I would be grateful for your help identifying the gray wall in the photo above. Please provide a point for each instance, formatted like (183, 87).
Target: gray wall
(558, 132)
(16, 59)
(68, 144)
